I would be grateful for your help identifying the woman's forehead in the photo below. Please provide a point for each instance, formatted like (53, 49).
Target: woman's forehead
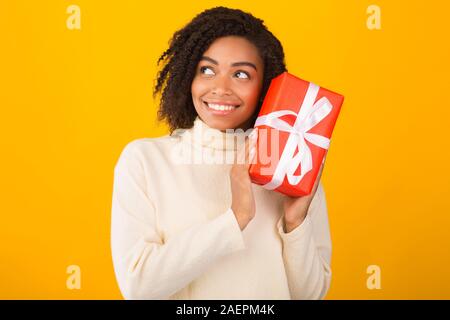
(232, 49)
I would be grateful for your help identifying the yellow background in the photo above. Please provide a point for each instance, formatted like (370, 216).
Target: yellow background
(71, 99)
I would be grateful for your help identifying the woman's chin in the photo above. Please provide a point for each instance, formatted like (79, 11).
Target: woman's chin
(223, 122)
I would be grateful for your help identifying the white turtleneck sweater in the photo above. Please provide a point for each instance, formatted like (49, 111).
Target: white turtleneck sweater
(174, 235)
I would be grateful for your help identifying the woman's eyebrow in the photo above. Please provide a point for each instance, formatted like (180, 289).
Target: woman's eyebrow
(235, 64)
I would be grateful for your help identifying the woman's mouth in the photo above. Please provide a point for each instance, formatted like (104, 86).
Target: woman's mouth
(220, 108)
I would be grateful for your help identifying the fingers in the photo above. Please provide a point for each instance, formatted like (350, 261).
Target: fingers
(322, 165)
(319, 175)
(245, 155)
(253, 139)
(240, 154)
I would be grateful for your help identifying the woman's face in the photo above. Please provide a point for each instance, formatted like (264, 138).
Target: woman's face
(228, 83)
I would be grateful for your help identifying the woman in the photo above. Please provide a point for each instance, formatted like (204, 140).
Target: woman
(200, 229)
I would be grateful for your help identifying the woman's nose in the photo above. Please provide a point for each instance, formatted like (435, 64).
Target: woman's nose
(221, 86)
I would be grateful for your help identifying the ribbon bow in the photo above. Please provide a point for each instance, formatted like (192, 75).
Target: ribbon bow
(310, 115)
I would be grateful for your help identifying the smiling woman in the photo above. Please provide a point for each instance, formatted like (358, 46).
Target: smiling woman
(228, 83)
(202, 230)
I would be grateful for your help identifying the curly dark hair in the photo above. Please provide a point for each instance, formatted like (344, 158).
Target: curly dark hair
(186, 48)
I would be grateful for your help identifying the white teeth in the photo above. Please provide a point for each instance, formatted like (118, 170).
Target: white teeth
(220, 107)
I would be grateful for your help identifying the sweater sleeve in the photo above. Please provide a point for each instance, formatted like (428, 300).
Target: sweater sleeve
(307, 252)
(147, 267)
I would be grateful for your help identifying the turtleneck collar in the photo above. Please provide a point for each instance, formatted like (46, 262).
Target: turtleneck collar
(203, 136)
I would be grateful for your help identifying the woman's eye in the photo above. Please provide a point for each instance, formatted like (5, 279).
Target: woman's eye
(244, 75)
(203, 69)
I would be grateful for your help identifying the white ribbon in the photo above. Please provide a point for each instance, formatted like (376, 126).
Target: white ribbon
(310, 115)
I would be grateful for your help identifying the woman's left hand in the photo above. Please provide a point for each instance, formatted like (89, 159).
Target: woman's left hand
(296, 208)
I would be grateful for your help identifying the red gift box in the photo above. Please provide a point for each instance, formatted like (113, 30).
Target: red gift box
(294, 125)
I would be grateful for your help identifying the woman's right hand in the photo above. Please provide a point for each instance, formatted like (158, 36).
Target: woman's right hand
(243, 201)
